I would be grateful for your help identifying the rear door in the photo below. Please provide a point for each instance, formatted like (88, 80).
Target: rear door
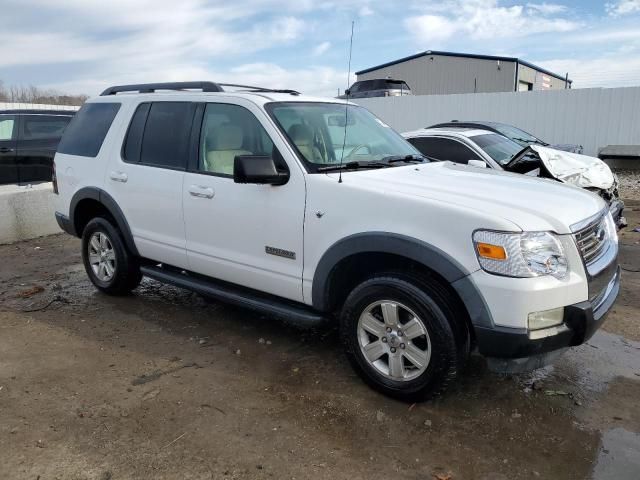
(146, 178)
(8, 133)
(38, 138)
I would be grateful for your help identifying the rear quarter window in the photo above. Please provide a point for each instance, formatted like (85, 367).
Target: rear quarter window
(87, 130)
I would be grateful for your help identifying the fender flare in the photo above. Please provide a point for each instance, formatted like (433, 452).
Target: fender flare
(102, 197)
(425, 254)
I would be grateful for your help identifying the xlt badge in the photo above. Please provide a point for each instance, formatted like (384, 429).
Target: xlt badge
(280, 252)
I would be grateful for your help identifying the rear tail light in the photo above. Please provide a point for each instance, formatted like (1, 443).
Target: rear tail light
(54, 179)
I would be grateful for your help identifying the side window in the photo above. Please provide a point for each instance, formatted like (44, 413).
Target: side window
(165, 141)
(86, 132)
(41, 127)
(133, 141)
(229, 131)
(444, 149)
(7, 124)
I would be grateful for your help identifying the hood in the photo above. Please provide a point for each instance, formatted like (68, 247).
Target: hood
(530, 203)
(579, 170)
(567, 147)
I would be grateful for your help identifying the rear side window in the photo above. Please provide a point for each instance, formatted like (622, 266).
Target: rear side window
(165, 141)
(86, 132)
(133, 142)
(444, 149)
(41, 127)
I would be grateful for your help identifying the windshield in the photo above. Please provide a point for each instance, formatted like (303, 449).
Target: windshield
(317, 131)
(500, 148)
(517, 135)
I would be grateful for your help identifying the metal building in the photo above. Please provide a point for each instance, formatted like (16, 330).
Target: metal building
(436, 73)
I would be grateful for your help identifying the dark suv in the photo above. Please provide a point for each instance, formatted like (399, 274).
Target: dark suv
(381, 87)
(28, 143)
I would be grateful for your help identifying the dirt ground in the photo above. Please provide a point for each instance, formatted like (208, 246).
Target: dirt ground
(164, 384)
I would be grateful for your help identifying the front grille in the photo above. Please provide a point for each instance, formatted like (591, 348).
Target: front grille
(592, 240)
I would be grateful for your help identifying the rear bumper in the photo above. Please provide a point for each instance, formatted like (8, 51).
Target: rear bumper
(65, 224)
(581, 320)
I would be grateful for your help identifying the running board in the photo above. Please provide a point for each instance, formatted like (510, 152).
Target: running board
(289, 311)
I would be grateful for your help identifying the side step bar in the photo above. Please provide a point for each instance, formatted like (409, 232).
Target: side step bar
(289, 311)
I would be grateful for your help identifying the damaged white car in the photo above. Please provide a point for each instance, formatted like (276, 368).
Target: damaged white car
(482, 148)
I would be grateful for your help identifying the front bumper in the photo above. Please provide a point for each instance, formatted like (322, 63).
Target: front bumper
(616, 207)
(581, 320)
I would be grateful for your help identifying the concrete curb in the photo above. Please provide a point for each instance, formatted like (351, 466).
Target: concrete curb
(27, 212)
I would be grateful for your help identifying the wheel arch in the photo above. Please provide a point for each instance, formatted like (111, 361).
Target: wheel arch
(384, 248)
(95, 200)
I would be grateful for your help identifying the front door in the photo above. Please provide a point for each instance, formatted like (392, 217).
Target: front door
(8, 134)
(251, 235)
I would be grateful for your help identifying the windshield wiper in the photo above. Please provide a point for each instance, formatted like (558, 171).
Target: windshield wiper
(352, 166)
(404, 158)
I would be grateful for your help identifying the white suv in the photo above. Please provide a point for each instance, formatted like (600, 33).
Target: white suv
(313, 209)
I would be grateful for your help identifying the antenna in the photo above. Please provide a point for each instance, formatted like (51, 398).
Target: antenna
(346, 104)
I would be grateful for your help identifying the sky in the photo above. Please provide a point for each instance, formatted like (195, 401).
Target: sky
(83, 46)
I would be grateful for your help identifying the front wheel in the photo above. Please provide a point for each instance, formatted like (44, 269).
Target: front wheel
(404, 337)
(108, 263)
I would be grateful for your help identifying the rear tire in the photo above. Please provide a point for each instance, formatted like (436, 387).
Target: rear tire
(107, 261)
(405, 337)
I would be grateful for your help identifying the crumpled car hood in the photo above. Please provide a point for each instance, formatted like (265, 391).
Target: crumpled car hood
(575, 169)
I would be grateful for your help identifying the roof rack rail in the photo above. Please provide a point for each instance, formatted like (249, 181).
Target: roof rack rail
(260, 89)
(152, 87)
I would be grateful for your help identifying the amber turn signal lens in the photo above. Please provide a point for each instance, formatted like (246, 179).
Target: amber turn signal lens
(493, 252)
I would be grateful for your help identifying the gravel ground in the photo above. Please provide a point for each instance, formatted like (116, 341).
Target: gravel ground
(163, 384)
(629, 184)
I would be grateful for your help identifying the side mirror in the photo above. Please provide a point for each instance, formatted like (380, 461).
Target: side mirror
(258, 169)
(477, 163)
(347, 91)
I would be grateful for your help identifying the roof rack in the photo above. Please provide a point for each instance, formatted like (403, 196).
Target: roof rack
(152, 87)
(204, 86)
(260, 89)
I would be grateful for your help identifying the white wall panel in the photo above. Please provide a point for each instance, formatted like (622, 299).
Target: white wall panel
(593, 117)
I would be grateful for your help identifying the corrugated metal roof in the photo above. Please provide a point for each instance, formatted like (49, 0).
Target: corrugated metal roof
(463, 55)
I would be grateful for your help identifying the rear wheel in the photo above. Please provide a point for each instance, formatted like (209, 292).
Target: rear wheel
(404, 337)
(108, 263)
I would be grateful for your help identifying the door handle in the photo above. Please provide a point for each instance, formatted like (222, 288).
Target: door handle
(6, 150)
(119, 177)
(201, 191)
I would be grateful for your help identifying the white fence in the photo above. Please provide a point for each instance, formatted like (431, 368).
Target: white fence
(34, 106)
(591, 117)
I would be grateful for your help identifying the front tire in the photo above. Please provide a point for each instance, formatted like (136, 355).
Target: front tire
(107, 261)
(405, 338)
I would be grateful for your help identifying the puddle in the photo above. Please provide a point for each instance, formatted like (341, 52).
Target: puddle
(593, 366)
(619, 457)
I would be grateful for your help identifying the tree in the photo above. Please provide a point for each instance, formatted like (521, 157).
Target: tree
(33, 94)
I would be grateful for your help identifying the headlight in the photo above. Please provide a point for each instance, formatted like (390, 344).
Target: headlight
(611, 229)
(527, 254)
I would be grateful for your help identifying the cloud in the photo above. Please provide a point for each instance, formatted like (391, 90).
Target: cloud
(608, 70)
(321, 48)
(431, 29)
(365, 11)
(486, 20)
(546, 8)
(622, 7)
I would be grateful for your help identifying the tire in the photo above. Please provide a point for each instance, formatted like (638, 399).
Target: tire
(107, 261)
(425, 350)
